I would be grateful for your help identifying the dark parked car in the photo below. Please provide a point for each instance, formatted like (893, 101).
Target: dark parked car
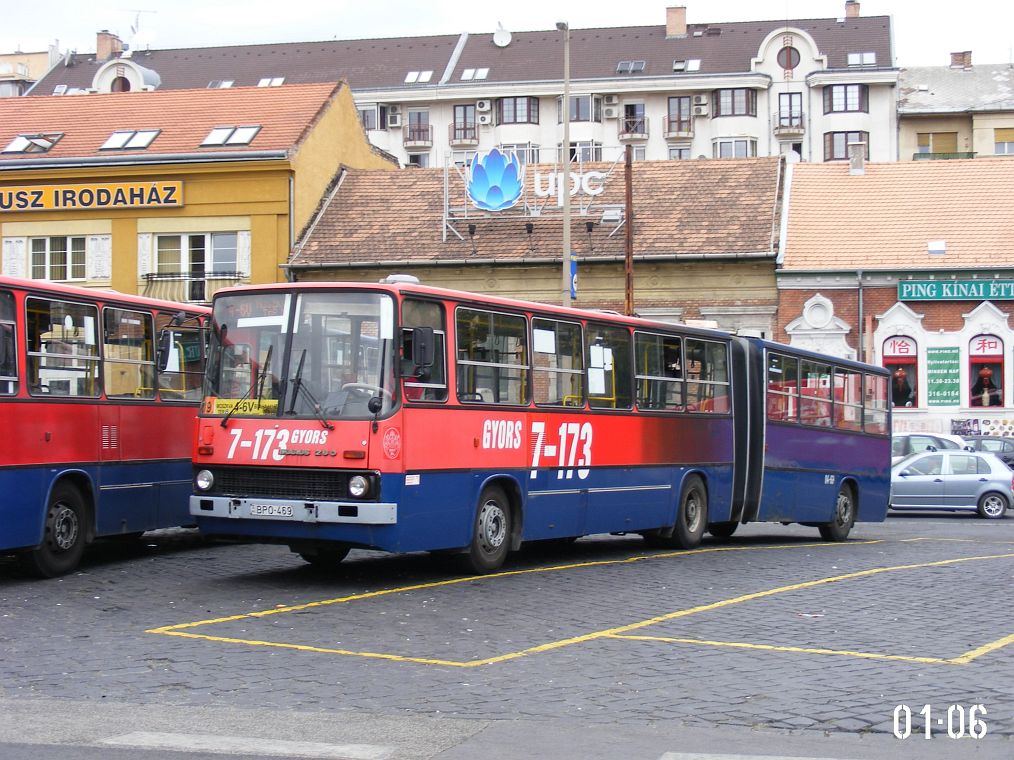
(953, 481)
(903, 444)
(1002, 447)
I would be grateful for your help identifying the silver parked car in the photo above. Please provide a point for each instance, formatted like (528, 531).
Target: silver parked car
(952, 481)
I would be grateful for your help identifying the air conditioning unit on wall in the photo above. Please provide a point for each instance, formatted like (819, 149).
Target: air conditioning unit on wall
(700, 110)
(394, 120)
(485, 118)
(611, 112)
(393, 109)
(700, 100)
(610, 100)
(482, 105)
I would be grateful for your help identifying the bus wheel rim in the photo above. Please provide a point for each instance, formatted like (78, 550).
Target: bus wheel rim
(693, 513)
(65, 527)
(844, 509)
(492, 526)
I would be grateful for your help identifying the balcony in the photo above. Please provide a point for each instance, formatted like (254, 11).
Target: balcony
(463, 135)
(633, 128)
(418, 136)
(189, 287)
(677, 129)
(941, 156)
(788, 124)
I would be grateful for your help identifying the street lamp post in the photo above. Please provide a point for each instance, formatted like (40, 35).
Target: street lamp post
(565, 156)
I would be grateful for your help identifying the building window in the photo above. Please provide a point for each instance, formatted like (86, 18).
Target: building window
(846, 97)
(744, 147)
(985, 371)
(582, 108)
(196, 257)
(788, 57)
(790, 109)
(517, 111)
(735, 102)
(422, 160)
(634, 121)
(131, 139)
(464, 123)
(368, 116)
(33, 143)
(1003, 142)
(901, 358)
(527, 153)
(836, 144)
(582, 152)
(679, 153)
(937, 142)
(419, 127)
(679, 114)
(58, 258)
(867, 58)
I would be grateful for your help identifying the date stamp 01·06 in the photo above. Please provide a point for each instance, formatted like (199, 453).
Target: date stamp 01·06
(958, 721)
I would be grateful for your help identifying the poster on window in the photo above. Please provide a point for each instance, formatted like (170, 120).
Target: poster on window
(943, 376)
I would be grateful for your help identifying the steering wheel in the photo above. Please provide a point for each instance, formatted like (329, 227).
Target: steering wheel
(367, 388)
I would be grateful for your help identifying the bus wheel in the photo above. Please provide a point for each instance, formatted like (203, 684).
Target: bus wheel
(844, 517)
(723, 529)
(491, 534)
(693, 516)
(325, 558)
(63, 541)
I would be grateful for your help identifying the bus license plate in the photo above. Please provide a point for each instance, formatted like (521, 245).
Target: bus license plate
(270, 510)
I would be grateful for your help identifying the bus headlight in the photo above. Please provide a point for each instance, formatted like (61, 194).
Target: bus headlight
(204, 480)
(359, 486)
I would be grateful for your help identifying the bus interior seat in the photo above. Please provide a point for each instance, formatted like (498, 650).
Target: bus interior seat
(485, 395)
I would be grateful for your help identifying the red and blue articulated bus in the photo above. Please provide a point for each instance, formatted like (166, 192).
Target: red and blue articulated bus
(404, 418)
(97, 441)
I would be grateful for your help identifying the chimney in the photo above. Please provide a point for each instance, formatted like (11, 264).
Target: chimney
(107, 45)
(857, 158)
(962, 60)
(676, 21)
(851, 9)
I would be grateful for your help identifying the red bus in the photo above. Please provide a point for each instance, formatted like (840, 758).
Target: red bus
(97, 441)
(407, 418)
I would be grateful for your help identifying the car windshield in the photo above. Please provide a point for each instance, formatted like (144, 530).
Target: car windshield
(317, 353)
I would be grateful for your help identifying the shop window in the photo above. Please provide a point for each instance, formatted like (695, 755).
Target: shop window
(901, 357)
(985, 371)
(608, 359)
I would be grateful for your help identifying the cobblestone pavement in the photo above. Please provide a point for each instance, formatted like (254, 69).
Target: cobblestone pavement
(771, 629)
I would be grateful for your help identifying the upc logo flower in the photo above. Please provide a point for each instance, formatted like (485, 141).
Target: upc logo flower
(495, 181)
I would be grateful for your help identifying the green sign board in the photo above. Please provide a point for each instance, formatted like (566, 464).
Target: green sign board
(943, 376)
(956, 290)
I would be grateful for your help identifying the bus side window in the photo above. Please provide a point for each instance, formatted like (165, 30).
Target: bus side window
(492, 363)
(8, 346)
(62, 347)
(128, 353)
(608, 362)
(182, 377)
(659, 372)
(430, 383)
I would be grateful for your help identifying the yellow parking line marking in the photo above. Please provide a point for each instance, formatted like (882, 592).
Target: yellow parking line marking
(615, 632)
(954, 540)
(798, 650)
(492, 576)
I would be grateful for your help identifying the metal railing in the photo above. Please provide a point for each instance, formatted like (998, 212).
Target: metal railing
(633, 128)
(677, 127)
(788, 122)
(463, 134)
(941, 156)
(418, 135)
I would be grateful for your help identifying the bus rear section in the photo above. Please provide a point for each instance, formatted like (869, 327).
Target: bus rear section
(826, 440)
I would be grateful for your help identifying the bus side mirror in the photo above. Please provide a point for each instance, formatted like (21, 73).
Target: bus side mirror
(418, 350)
(165, 344)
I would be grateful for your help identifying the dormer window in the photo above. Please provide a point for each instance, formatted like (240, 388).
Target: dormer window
(418, 77)
(130, 139)
(222, 84)
(33, 143)
(270, 82)
(231, 135)
(862, 59)
(629, 67)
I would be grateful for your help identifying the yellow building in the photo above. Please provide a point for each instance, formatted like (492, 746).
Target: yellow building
(171, 194)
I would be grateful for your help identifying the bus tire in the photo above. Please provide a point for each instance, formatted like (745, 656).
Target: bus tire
(723, 529)
(64, 536)
(844, 516)
(691, 520)
(491, 533)
(325, 558)
(992, 506)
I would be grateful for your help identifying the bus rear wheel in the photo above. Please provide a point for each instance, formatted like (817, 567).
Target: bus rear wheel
(691, 520)
(491, 533)
(63, 539)
(723, 529)
(844, 517)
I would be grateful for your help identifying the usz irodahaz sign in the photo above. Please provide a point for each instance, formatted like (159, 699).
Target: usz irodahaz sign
(956, 290)
(104, 195)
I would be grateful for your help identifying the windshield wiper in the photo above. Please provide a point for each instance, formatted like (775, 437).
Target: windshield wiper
(298, 388)
(258, 384)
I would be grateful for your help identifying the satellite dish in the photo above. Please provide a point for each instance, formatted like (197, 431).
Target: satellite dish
(501, 37)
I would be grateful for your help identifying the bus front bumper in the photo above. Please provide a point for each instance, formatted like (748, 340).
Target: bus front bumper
(362, 513)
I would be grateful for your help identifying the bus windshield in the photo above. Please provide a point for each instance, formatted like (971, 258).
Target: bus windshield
(319, 354)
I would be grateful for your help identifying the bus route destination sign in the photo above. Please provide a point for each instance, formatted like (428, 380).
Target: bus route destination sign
(106, 195)
(955, 290)
(943, 376)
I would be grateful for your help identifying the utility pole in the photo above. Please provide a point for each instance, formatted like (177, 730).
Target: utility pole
(565, 279)
(628, 213)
